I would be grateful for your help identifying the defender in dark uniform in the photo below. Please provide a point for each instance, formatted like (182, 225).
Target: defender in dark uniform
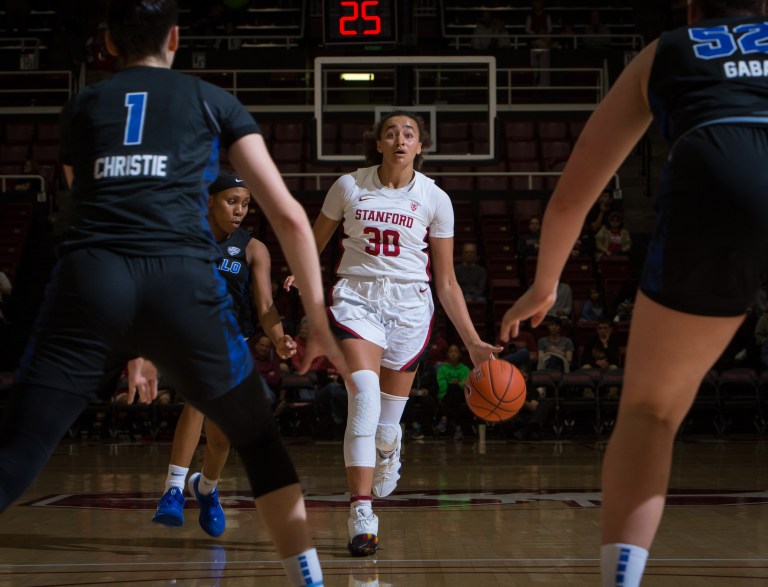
(707, 86)
(137, 274)
(244, 263)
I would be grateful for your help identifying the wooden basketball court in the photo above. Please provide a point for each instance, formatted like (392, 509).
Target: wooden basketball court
(501, 513)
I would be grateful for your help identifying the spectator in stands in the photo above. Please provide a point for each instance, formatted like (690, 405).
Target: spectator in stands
(451, 377)
(470, 275)
(594, 308)
(271, 370)
(528, 243)
(534, 415)
(438, 349)
(490, 33)
(16, 12)
(6, 289)
(65, 49)
(99, 62)
(29, 184)
(621, 306)
(596, 27)
(522, 351)
(230, 42)
(613, 239)
(761, 338)
(565, 39)
(539, 22)
(555, 350)
(422, 406)
(563, 306)
(329, 394)
(598, 215)
(602, 350)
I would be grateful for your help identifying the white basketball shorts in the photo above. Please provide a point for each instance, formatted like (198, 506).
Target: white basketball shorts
(395, 315)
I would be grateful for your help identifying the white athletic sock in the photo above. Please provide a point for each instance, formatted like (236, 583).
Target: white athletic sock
(177, 477)
(304, 570)
(206, 486)
(392, 407)
(622, 565)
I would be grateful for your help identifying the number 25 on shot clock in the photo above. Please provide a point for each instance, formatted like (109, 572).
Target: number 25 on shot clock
(357, 22)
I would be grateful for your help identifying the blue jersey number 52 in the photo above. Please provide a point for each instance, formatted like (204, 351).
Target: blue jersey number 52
(136, 103)
(718, 41)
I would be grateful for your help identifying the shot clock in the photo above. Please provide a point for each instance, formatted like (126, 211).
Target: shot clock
(359, 22)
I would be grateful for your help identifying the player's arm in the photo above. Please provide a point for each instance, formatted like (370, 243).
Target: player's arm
(323, 229)
(611, 132)
(260, 264)
(289, 221)
(452, 299)
(69, 174)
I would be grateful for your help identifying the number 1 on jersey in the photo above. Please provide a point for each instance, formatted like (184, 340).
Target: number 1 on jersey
(136, 102)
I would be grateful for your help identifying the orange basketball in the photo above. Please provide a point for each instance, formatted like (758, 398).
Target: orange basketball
(495, 390)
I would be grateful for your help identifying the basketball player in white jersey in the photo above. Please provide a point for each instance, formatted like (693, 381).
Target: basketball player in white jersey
(382, 306)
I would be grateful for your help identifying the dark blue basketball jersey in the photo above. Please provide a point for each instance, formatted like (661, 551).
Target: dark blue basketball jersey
(139, 189)
(714, 70)
(233, 267)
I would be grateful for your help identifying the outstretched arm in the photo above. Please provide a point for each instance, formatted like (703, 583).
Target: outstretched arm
(261, 285)
(608, 137)
(452, 298)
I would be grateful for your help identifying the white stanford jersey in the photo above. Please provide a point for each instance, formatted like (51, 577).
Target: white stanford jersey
(386, 229)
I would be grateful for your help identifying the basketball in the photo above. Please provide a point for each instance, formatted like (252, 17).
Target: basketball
(495, 390)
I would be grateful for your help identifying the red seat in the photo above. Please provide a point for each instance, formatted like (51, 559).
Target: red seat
(492, 182)
(501, 268)
(48, 132)
(288, 131)
(507, 288)
(521, 150)
(554, 151)
(492, 208)
(553, 130)
(500, 248)
(452, 131)
(14, 153)
(19, 132)
(453, 147)
(288, 151)
(45, 152)
(519, 130)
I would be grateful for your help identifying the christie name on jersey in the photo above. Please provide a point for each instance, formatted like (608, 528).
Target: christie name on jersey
(130, 165)
(746, 68)
(382, 216)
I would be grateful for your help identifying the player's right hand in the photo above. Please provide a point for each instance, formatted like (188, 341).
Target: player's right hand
(324, 343)
(142, 379)
(289, 281)
(533, 304)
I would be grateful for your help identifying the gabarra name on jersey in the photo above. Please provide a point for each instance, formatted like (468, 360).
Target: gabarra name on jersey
(751, 68)
(387, 217)
(130, 165)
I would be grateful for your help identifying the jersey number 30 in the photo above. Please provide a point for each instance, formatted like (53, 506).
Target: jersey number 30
(382, 242)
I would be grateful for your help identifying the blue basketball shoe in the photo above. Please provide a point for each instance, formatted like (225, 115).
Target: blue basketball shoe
(170, 510)
(212, 519)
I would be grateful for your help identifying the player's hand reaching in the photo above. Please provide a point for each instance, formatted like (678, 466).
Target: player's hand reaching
(142, 379)
(289, 281)
(286, 347)
(323, 343)
(533, 304)
(482, 351)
